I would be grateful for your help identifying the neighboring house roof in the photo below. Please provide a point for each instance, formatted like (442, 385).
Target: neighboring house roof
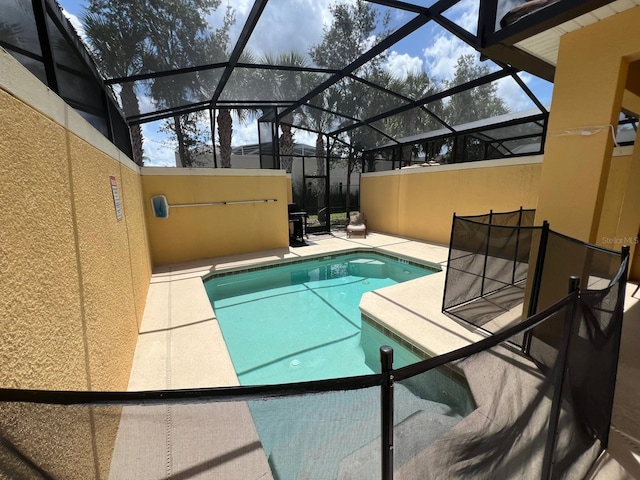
(299, 150)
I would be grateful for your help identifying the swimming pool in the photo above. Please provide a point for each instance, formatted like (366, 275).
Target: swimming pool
(301, 321)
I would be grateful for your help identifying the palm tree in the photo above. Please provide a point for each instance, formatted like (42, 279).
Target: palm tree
(416, 86)
(225, 130)
(116, 40)
(157, 36)
(287, 84)
(243, 81)
(183, 38)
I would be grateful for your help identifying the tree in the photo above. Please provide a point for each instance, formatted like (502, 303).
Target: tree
(416, 85)
(349, 34)
(225, 134)
(474, 104)
(179, 36)
(355, 27)
(116, 40)
(286, 84)
(192, 133)
(471, 105)
(243, 81)
(157, 36)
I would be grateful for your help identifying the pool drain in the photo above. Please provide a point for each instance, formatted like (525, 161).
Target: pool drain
(295, 363)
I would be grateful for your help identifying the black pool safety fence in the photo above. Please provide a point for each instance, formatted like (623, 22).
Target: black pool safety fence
(543, 413)
(502, 268)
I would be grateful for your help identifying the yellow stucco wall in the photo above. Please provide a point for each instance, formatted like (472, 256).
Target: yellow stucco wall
(42, 324)
(74, 278)
(608, 232)
(107, 273)
(589, 89)
(198, 232)
(419, 203)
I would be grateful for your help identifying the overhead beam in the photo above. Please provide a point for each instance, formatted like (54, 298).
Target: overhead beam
(438, 96)
(520, 59)
(396, 36)
(247, 30)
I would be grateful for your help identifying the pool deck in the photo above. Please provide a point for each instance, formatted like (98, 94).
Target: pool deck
(180, 344)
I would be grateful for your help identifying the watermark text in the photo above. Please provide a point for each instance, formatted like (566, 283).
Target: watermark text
(620, 240)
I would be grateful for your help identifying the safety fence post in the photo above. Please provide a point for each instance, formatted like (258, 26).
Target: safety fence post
(515, 256)
(535, 287)
(386, 406)
(486, 253)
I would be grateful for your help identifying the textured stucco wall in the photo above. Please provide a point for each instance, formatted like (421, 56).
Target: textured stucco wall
(139, 255)
(73, 279)
(108, 295)
(198, 232)
(420, 203)
(42, 325)
(589, 88)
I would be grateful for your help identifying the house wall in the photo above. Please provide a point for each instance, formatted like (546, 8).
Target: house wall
(198, 232)
(74, 278)
(592, 82)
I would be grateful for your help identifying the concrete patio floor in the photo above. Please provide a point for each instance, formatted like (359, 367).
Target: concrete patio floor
(180, 344)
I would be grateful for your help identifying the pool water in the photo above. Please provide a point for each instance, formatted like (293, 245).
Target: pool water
(301, 322)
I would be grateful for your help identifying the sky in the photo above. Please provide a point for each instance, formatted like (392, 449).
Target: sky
(299, 25)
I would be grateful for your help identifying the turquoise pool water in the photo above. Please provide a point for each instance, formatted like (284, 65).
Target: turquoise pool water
(301, 321)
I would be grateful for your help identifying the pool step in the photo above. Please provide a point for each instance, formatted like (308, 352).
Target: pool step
(367, 268)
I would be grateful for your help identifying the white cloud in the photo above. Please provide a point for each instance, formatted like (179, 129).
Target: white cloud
(465, 14)
(146, 103)
(441, 57)
(159, 149)
(280, 29)
(305, 137)
(401, 64)
(246, 134)
(514, 97)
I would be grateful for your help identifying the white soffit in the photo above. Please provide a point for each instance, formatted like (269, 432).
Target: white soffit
(545, 44)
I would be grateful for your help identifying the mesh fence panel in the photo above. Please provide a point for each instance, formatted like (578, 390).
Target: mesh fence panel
(506, 219)
(502, 255)
(565, 257)
(505, 434)
(466, 262)
(56, 441)
(284, 437)
(488, 266)
(315, 436)
(593, 359)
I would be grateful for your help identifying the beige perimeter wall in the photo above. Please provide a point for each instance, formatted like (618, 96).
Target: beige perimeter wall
(419, 203)
(202, 230)
(74, 278)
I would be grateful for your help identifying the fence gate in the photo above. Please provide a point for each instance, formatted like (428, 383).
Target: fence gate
(315, 188)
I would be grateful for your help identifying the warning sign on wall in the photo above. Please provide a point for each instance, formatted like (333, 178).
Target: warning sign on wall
(116, 197)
